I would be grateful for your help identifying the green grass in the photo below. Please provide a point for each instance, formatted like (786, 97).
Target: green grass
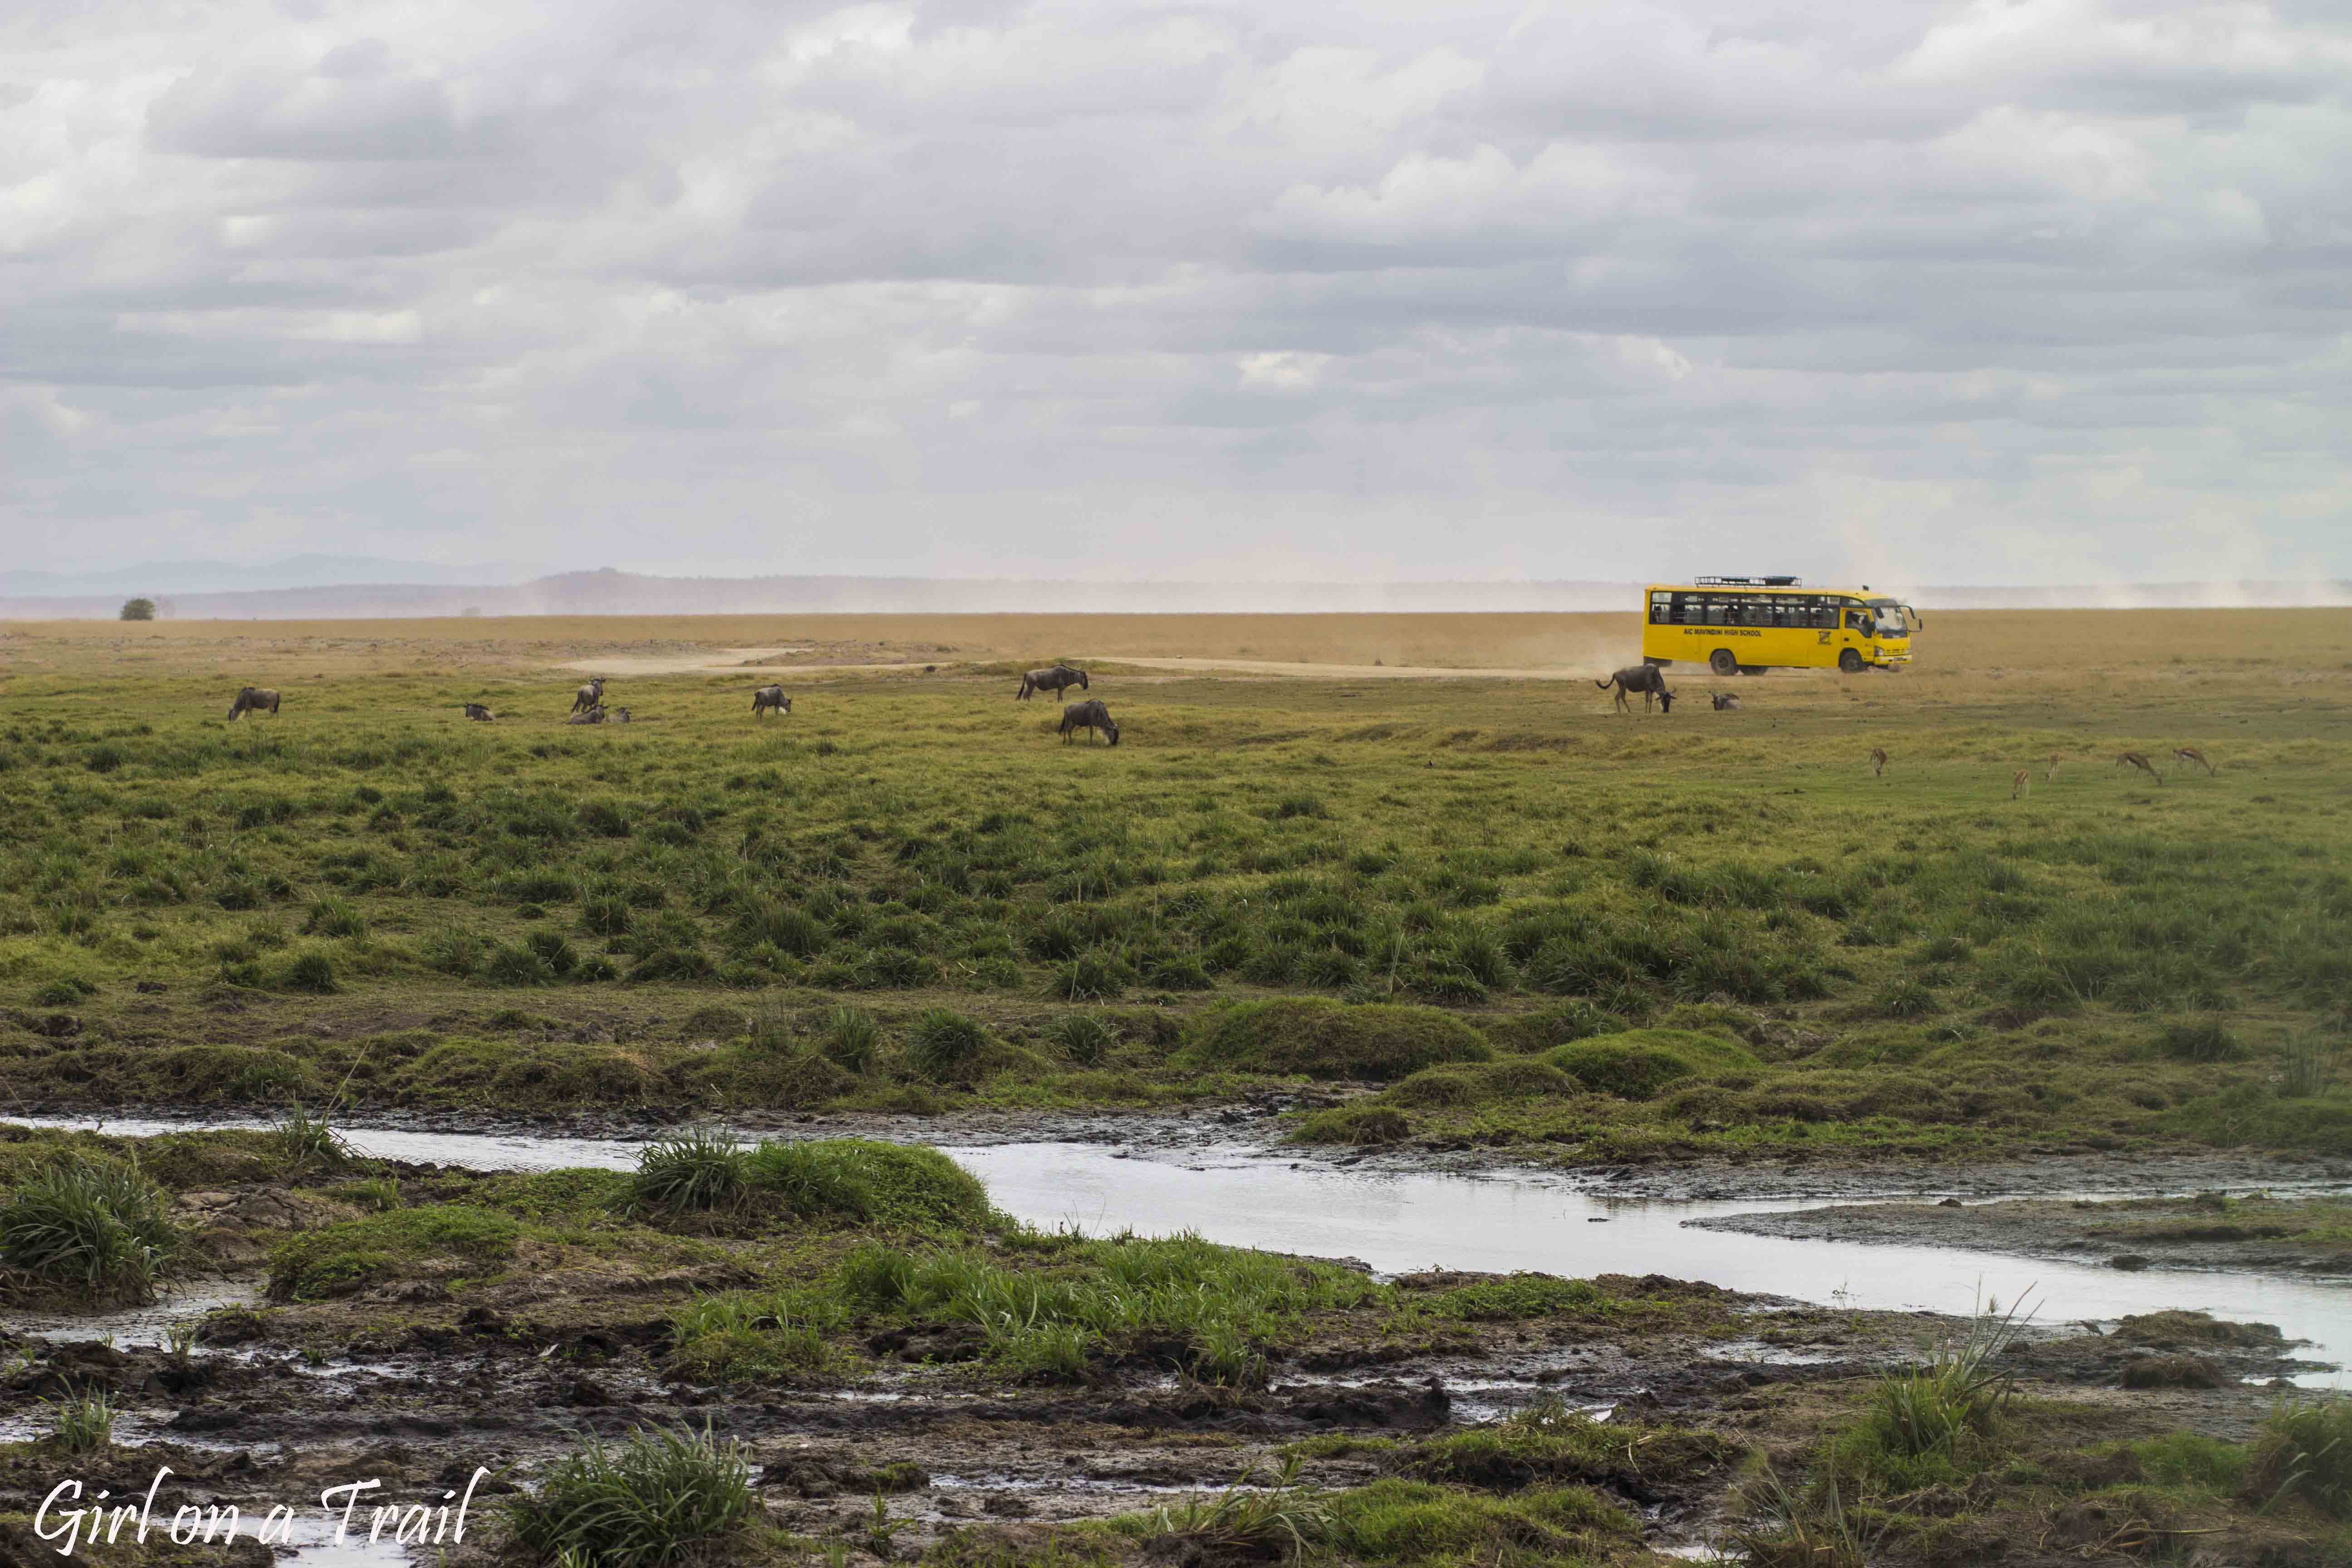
(1271, 880)
(84, 1423)
(693, 1171)
(2304, 1450)
(657, 1498)
(1937, 1420)
(1210, 1311)
(97, 1230)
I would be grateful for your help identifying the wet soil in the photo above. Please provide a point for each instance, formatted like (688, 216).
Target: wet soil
(2256, 1234)
(420, 1377)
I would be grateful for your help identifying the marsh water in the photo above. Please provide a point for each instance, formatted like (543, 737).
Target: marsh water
(1249, 1194)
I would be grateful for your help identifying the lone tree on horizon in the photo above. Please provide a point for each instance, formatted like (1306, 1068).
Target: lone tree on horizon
(139, 609)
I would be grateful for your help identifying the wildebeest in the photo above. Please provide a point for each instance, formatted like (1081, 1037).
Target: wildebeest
(253, 700)
(590, 696)
(1725, 702)
(620, 716)
(593, 714)
(1646, 679)
(2134, 760)
(1058, 679)
(1878, 762)
(1089, 716)
(769, 697)
(479, 713)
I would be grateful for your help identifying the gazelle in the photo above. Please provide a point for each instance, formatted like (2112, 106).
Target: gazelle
(2134, 760)
(2021, 782)
(2051, 771)
(2191, 755)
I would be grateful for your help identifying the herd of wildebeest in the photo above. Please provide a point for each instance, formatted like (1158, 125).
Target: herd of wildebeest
(588, 705)
(1647, 680)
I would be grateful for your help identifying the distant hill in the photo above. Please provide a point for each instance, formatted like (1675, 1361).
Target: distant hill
(613, 592)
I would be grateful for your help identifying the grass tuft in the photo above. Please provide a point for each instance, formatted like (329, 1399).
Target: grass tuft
(2305, 1449)
(98, 1231)
(84, 1422)
(658, 1498)
(693, 1171)
(944, 1044)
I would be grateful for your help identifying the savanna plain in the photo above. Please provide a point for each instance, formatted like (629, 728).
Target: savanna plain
(1383, 894)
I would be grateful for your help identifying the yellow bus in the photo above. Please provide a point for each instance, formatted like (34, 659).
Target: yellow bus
(1750, 625)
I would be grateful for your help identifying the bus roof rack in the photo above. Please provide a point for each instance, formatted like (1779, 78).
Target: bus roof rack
(1748, 582)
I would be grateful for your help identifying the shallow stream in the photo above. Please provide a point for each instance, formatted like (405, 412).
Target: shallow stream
(1249, 1196)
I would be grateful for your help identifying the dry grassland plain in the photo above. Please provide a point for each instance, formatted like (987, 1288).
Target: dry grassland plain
(1529, 922)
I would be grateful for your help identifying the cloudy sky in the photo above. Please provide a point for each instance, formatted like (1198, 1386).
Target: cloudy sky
(1996, 290)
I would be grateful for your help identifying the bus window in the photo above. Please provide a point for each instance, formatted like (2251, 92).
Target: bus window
(1855, 620)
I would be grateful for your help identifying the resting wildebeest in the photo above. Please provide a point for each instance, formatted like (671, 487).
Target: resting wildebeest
(479, 713)
(253, 700)
(590, 696)
(593, 715)
(1646, 679)
(1725, 702)
(1058, 679)
(769, 697)
(1089, 716)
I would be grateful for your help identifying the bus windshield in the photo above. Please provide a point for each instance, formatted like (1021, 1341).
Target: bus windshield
(1889, 615)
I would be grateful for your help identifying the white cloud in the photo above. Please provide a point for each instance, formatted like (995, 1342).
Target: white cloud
(2038, 288)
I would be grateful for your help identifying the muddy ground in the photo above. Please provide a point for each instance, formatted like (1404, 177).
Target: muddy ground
(432, 1365)
(2256, 1234)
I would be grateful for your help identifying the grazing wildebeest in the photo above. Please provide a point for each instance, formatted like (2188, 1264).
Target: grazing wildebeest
(590, 696)
(2134, 760)
(1646, 679)
(1878, 762)
(2191, 755)
(769, 697)
(253, 700)
(592, 715)
(1089, 716)
(479, 713)
(1725, 702)
(1058, 679)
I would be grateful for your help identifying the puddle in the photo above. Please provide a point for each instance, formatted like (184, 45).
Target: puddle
(137, 1326)
(1399, 1222)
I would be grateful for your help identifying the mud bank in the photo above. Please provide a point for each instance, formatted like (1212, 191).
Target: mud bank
(2265, 1233)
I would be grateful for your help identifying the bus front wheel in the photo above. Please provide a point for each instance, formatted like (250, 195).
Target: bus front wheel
(1722, 663)
(1850, 660)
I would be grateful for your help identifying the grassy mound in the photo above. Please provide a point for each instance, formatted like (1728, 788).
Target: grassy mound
(343, 1258)
(853, 1179)
(1639, 1063)
(1320, 1038)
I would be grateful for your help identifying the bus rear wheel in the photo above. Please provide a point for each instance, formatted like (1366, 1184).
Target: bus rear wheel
(1850, 660)
(1722, 663)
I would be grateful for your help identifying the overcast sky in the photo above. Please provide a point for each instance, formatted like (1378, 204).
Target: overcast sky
(2003, 291)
